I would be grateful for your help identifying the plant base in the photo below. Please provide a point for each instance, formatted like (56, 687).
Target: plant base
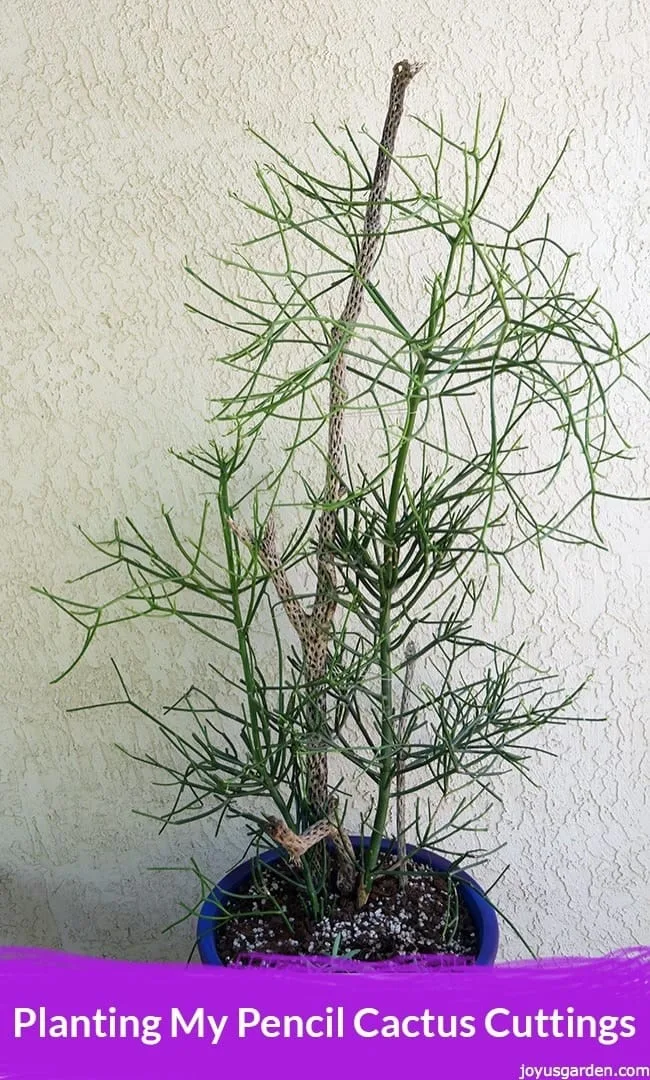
(431, 915)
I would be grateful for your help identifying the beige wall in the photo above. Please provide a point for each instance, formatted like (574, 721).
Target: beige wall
(122, 134)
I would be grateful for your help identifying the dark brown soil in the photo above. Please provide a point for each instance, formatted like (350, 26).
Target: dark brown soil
(428, 916)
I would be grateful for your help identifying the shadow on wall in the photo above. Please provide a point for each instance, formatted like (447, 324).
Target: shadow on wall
(82, 914)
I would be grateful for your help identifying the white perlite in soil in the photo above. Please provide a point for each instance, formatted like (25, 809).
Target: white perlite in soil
(421, 919)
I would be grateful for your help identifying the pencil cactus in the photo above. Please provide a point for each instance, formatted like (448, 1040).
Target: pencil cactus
(371, 595)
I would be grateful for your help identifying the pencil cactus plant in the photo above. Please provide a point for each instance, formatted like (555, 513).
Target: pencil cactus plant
(377, 691)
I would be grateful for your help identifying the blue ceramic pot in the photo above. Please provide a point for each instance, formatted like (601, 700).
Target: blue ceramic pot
(482, 913)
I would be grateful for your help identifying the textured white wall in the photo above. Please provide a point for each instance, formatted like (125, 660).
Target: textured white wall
(122, 133)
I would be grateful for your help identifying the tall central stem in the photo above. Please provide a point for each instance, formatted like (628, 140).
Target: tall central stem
(388, 582)
(315, 647)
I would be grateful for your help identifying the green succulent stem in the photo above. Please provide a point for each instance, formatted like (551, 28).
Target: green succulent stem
(388, 580)
(233, 566)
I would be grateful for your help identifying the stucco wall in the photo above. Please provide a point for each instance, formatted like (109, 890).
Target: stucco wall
(122, 134)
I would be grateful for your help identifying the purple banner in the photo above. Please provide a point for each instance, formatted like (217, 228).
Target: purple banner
(66, 1017)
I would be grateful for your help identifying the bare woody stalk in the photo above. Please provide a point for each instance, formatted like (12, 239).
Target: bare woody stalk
(314, 628)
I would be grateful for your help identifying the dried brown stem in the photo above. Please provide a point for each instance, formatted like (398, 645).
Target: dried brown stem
(324, 608)
(314, 629)
(268, 554)
(325, 604)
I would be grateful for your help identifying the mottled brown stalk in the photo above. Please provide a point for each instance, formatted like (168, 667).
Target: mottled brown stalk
(298, 844)
(314, 628)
